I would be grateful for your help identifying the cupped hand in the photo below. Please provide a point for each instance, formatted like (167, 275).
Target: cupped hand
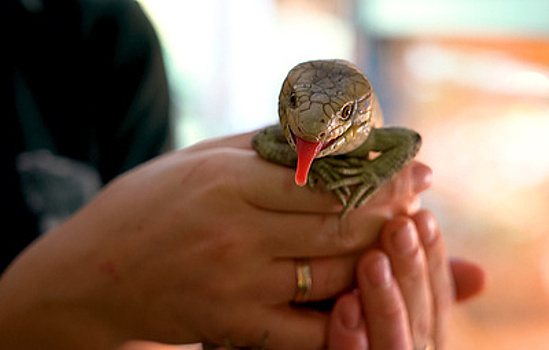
(405, 290)
(200, 245)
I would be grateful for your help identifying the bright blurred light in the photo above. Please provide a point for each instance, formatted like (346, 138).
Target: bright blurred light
(490, 71)
(455, 18)
(226, 59)
(487, 135)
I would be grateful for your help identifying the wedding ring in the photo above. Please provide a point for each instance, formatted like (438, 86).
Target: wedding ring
(304, 280)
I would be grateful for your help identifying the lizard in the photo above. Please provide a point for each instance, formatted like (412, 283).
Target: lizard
(331, 130)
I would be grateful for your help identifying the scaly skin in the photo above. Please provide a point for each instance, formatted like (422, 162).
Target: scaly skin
(332, 104)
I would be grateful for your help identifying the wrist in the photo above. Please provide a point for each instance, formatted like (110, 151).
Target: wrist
(46, 324)
(46, 305)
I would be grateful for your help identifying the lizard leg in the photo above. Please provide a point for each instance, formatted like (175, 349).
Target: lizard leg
(270, 143)
(322, 171)
(358, 175)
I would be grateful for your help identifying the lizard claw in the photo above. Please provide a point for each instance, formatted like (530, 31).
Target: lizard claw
(352, 180)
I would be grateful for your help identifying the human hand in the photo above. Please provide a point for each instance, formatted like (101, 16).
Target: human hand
(197, 245)
(405, 291)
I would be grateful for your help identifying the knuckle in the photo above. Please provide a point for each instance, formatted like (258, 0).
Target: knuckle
(225, 274)
(415, 268)
(444, 300)
(438, 263)
(334, 280)
(228, 243)
(359, 231)
(393, 313)
(423, 326)
(415, 277)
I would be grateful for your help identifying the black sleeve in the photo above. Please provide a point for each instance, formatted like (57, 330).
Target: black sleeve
(96, 77)
(131, 107)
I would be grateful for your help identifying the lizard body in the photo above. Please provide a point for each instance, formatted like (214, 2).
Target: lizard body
(330, 123)
(330, 126)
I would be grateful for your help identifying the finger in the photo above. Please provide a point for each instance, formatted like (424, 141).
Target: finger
(288, 328)
(413, 179)
(346, 330)
(439, 272)
(314, 235)
(384, 309)
(401, 243)
(422, 176)
(400, 195)
(272, 187)
(329, 277)
(243, 141)
(469, 279)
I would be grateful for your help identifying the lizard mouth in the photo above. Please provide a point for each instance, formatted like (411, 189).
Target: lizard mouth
(307, 151)
(326, 146)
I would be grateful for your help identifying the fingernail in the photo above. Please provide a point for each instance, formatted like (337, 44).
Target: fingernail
(379, 272)
(430, 232)
(405, 239)
(422, 176)
(350, 314)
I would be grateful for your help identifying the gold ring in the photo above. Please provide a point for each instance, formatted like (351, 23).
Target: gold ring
(304, 280)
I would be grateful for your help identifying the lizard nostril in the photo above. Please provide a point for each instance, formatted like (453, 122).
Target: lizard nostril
(322, 134)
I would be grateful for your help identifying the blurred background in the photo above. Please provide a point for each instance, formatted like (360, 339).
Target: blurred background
(472, 76)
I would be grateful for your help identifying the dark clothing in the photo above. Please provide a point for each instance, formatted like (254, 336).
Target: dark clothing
(83, 79)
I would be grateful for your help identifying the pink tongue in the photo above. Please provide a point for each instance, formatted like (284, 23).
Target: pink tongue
(306, 152)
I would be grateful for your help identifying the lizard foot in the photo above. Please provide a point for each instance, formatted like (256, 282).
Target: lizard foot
(352, 179)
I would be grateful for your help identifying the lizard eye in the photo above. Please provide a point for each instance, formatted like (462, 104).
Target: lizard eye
(293, 100)
(346, 112)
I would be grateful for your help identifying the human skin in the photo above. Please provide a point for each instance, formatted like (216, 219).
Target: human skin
(405, 290)
(196, 245)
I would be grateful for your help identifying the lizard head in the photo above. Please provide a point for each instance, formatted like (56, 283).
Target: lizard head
(326, 107)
